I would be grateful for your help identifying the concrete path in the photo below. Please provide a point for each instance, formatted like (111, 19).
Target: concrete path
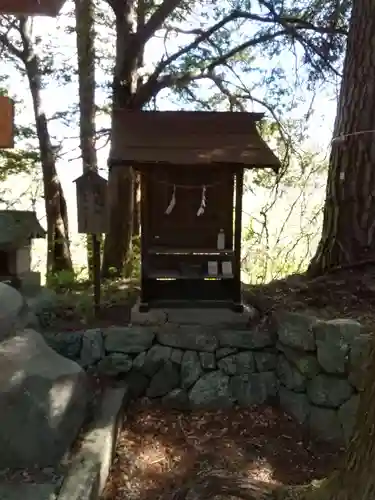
(9, 491)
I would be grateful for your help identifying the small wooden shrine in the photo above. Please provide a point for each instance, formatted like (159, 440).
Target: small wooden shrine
(191, 166)
(31, 7)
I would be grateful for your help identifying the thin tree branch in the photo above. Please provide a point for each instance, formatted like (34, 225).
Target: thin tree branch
(291, 26)
(154, 84)
(4, 40)
(156, 21)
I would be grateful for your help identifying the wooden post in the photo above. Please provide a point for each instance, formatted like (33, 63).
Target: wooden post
(96, 266)
(237, 236)
(92, 214)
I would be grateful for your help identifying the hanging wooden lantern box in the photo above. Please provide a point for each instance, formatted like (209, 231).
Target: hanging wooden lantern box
(191, 167)
(92, 206)
(31, 7)
(6, 122)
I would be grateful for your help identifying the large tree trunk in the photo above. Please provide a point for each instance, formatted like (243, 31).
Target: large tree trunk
(121, 179)
(84, 13)
(348, 235)
(59, 256)
(133, 31)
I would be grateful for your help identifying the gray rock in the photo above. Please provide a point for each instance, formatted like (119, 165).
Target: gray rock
(177, 399)
(237, 364)
(360, 349)
(67, 344)
(208, 360)
(115, 364)
(254, 389)
(290, 376)
(337, 331)
(13, 311)
(296, 330)
(191, 369)
(128, 340)
(211, 391)
(359, 360)
(328, 391)
(139, 361)
(222, 352)
(157, 356)
(193, 338)
(165, 380)
(246, 339)
(137, 383)
(295, 404)
(333, 339)
(347, 415)
(92, 349)
(43, 400)
(33, 321)
(325, 426)
(265, 361)
(176, 356)
(307, 364)
(44, 305)
(333, 358)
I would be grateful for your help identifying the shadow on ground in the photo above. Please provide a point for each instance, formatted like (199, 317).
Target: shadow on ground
(162, 453)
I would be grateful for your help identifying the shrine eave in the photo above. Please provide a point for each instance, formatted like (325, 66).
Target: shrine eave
(229, 139)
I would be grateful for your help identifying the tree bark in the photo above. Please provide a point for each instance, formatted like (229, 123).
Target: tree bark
(84, 13)
(58, 256)
(133, 31)
(121, 179)
(348, 234)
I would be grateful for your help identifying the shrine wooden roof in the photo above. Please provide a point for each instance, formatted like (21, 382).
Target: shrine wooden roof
(31, 7)
(18, 226)
(189, 138)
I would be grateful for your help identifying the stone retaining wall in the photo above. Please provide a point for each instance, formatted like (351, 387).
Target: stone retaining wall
(311, 368)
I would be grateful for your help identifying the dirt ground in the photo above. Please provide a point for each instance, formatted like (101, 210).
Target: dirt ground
(161, 451)
(346, 293)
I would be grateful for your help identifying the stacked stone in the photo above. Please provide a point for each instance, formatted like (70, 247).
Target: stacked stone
(313, 368)
(320, 368)
(185, 366)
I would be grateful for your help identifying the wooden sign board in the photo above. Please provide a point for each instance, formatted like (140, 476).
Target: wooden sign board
(6, 122)
(31, 7)
(92, 203)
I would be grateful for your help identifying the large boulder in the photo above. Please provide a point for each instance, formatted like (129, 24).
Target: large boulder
(13, 311)
(43, 399)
